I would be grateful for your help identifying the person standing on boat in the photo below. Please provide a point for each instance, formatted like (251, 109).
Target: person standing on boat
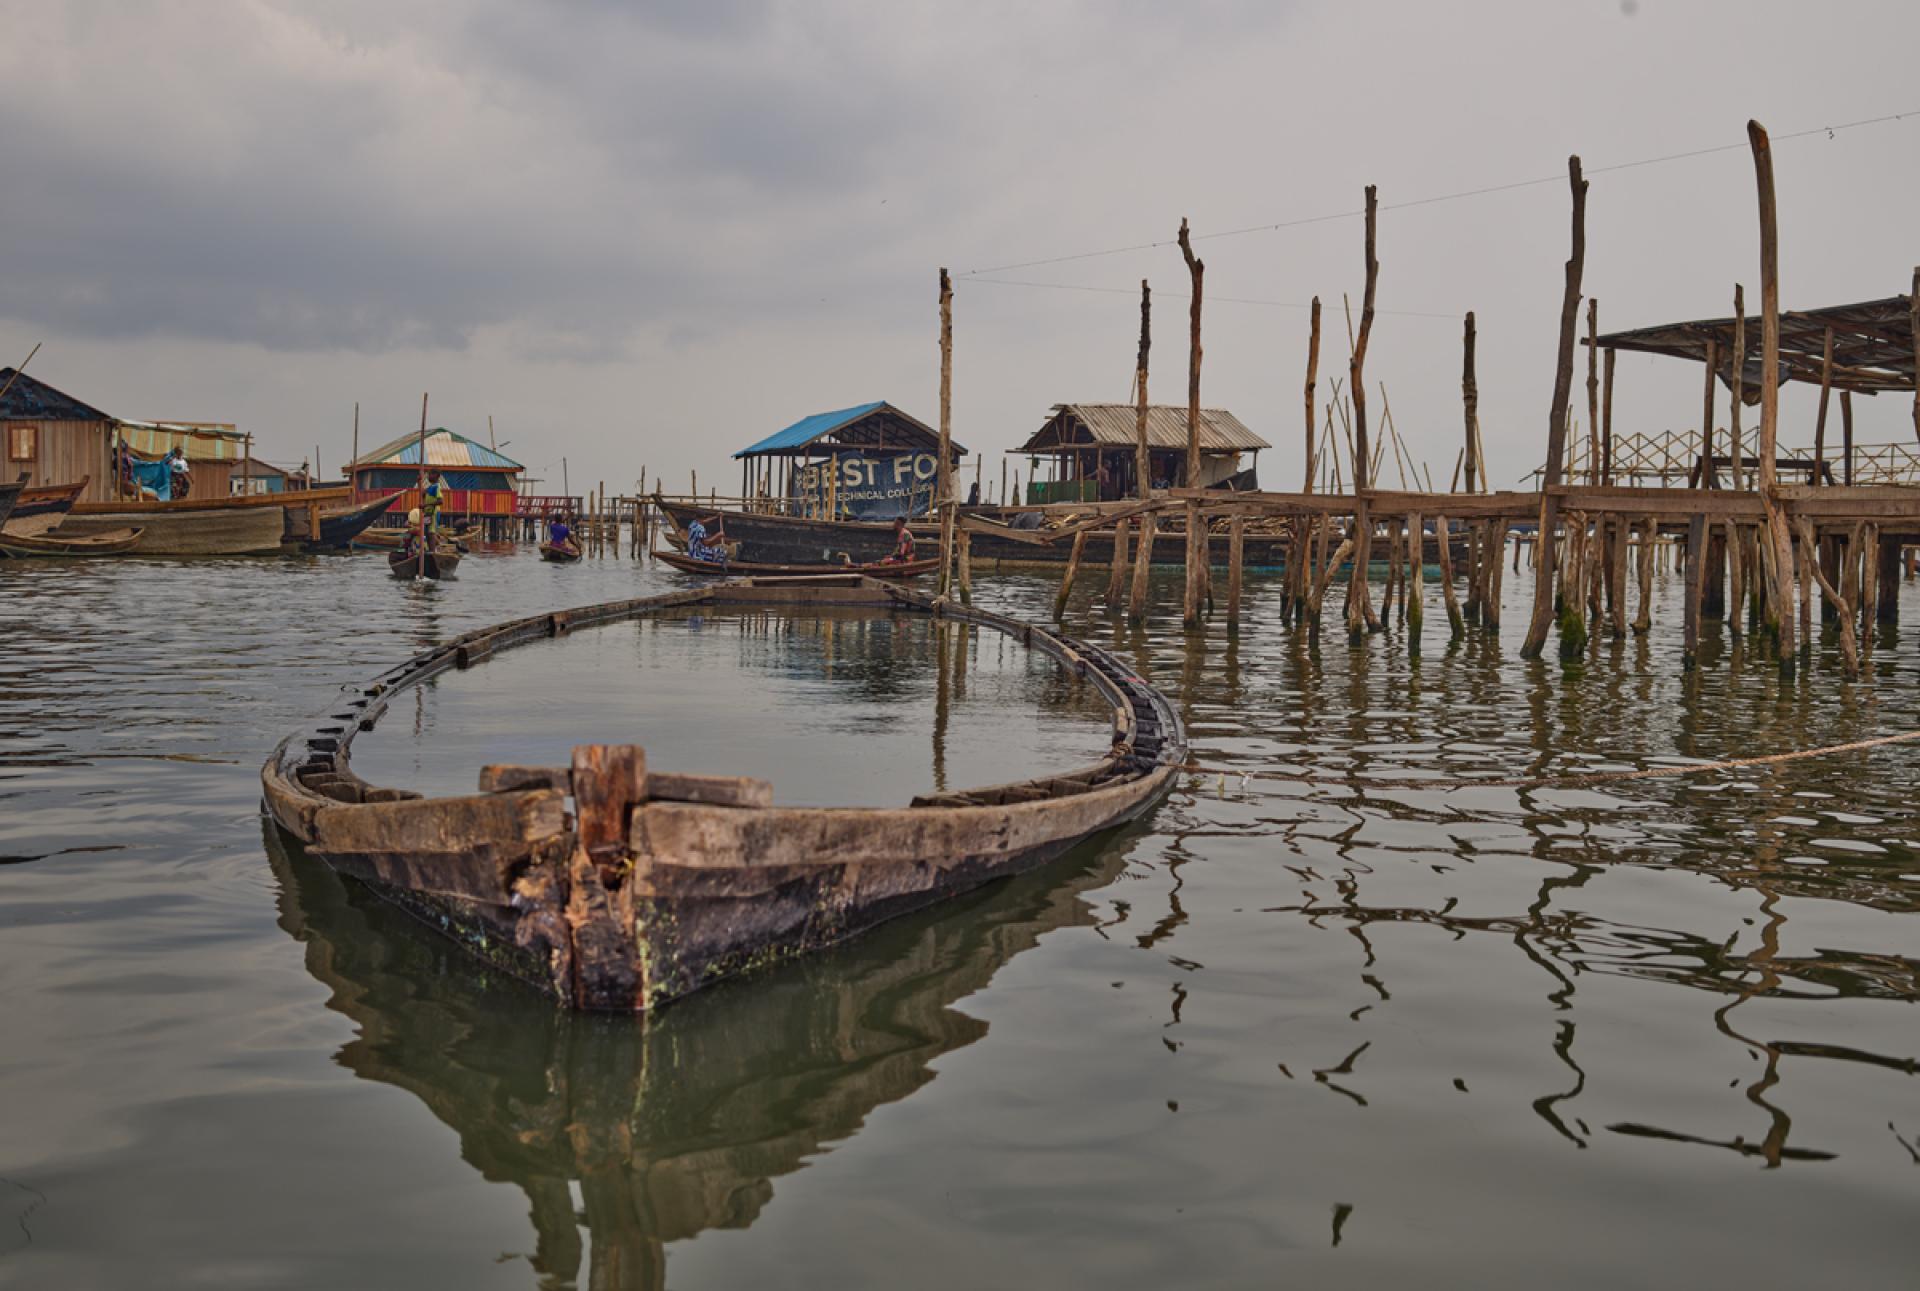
(707, 544)
(179, 475)
(902, 543)
(431, 497)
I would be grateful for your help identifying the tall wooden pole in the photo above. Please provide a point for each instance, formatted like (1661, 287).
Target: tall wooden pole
(1359, 599)
(1820, 423)
(1846, 436)
(421, 485)
(1142, 462)
(1557, 421)
(1470, 398)
(1196, 537)
(1736, 447)
(1606, 419)
(1913, 322)
(353, 476)
(943, 485)
(1706, 415)
(1313, 372)
(1593, 391)
(1782, 571)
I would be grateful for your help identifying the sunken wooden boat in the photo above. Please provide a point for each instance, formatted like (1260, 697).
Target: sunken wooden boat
(439, 563)
(757, 569)
(653, 883)
(559, 555)
(41, 535)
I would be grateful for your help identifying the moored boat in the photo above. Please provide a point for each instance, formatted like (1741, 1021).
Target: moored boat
(757, 569)
(55, 499)
(339, 526)
(658, 883)
(255, 524)
(393, 539)
(41, 535)
(439, 563)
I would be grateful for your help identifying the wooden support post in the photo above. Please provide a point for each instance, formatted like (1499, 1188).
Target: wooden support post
(963, 545)
(1470, 401)
(1142, 563)
(1803, 563)
(1849, 646)
(1066, 579)
(1493, 566)
(1606, 421)
(1414, 615)
(1820, 422)
(1696, 568)
(1777, 535)
(1617, 573)
(1649, 542)
(1573, 588)
(1392, 593)
(1142, 461)
(1736, 404)
(943, 492)
(1313, 372)
(1456, 625)
(1733, 602)
(1557, 420)
(1196, 534)
(1117, 572)
(1846, 437)
(1236, 554)
(1886, 592)
(1359, 600)
(1593, 391)
(1708, 477)
(1913, 323)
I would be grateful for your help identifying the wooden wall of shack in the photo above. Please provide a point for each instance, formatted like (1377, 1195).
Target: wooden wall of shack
(63, 452)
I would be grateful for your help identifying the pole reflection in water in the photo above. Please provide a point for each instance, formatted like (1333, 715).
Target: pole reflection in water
(675, 1124)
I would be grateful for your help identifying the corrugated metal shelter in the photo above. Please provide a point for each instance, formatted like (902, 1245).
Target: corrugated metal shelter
(481, 479)
(868, 462)
(1872, 346)
(1094, 444)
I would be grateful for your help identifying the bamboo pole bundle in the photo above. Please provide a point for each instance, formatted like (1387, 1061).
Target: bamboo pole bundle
(1557, 420)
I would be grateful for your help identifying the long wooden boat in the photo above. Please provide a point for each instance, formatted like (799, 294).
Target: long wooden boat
(658, 883)
(52, 499)
(385, 539)
(40, 535)
(439, 563)
(756, 569)
(339, 526)
(559, 555)
(255, 524)
(791, 540)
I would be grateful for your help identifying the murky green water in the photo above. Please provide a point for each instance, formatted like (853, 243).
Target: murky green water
(1644, 1034)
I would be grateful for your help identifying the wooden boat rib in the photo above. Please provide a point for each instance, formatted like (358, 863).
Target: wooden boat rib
(756, 569)
(39, 535)
(657, 883)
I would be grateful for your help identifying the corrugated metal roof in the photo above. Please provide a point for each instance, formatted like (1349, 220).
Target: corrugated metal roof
(445, 449)
(808, 429)
(1114, 424)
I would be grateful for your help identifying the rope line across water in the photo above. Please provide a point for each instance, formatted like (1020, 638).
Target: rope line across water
(1569, 780)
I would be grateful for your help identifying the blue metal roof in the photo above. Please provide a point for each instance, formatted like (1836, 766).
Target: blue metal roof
(808, 429)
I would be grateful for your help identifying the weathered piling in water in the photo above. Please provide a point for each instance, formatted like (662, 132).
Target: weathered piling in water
(1780, 617)
(1196, 535)
(1557, 421)
(1360, 615)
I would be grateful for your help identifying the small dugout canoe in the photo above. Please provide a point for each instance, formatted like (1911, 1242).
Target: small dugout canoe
(656, 883)
(437, 564)
(559, 555)
(40, 535)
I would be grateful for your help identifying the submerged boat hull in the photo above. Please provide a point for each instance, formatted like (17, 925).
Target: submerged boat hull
(659, 883)
(756, 569)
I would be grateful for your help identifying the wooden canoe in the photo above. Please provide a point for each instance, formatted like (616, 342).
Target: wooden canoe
(440, 563)
(755, 569)
(559, 555)
(656, 883)
(53, 499)
(394, 539)
(41, 535)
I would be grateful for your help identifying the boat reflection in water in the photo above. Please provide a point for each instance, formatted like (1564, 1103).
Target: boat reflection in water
(678, 1123)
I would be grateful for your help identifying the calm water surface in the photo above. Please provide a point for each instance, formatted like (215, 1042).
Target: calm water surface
(1644, 1034)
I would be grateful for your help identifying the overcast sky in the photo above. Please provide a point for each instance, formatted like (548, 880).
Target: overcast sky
(649, 234)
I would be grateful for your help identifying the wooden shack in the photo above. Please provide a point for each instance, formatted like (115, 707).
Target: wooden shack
(54, 438)
(868, 462)
(481, 481)
(1092, 447)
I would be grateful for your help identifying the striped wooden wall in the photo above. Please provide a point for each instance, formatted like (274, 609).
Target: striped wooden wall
(64, 451)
